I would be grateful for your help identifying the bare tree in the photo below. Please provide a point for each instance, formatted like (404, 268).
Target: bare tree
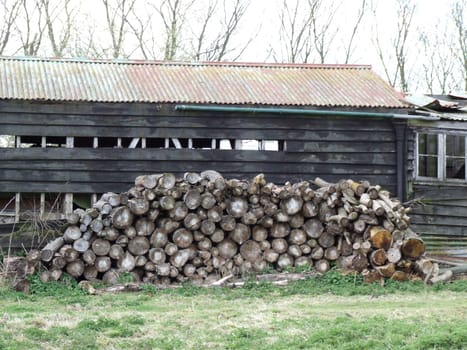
(217, 47)
(349, 45)
(307, 30)
(399, 46)
(323, 34)
(199, 51)
(141, 26)
(117, 13)
(294, 33)
(458, 12)
(437, 65)
(84, 41)
(173, 15)
(30, 26)
(10, 10)
(59, 19)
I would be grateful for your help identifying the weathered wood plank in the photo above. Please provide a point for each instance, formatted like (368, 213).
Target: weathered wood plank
(440, 229)
(439, 220)
(438, 191)
(126, 181)
(163, 121)
(452, 210)
(29, 154)
(177, 131)
(115, 174)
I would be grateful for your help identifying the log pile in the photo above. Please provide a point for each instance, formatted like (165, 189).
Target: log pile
(203, 227)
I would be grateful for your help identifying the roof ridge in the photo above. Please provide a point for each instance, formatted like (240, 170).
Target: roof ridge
(188, 63)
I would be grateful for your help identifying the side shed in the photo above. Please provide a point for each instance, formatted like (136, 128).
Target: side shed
(437, 179)
(75, 128)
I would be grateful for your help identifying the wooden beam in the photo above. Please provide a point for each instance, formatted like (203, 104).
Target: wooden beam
(17, 206)
(68, 202)
(134, 142)
(42, 206)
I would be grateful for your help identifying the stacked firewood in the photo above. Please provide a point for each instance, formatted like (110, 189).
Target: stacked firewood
(203, 227)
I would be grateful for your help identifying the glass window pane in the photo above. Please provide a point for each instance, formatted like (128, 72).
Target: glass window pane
(428, 166)
(428, 144)
(455, 145)
(455, 168)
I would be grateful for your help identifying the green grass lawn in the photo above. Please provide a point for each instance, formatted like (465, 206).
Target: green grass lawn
(331, 312)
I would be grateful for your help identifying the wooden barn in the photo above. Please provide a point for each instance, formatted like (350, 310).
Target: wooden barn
(72, 129)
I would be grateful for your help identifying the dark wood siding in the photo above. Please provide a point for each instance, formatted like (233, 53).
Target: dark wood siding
(442, 219)
(331, 147)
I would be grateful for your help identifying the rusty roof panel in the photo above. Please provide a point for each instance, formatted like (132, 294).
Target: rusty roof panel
(202, 83)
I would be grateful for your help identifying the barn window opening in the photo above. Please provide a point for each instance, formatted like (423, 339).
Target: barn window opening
(175, 142)
(152, 142)
(247, 145)
(260, 145)
(441, 156)
(226, 144)
(27, 141)
(108, 142)
(84, 142)
(55, 141)
(7, 141)
(204, 143)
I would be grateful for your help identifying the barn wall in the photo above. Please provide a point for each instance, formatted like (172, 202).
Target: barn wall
(331, 147)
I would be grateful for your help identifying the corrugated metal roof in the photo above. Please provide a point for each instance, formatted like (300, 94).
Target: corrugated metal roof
(203, 83)
(448, 107)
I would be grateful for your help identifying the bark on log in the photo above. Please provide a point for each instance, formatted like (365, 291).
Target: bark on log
(182, 238)
(413, 248)
(322, 266)
(48, 252)
(313, 228)
(378, 257)
(101, 247)
(250, 250)
(380, 238)
(227, 248)
(75, 268)
(122, 217)
(71, 234)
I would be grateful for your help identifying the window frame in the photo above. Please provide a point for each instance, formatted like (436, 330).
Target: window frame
(441, 165)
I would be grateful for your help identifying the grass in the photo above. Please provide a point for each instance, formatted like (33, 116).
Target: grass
(331, 312)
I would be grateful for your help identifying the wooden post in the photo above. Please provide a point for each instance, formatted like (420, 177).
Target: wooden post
(17, 206)
(401, 146)
(42, 195)
(134, 142)
(95, 144)
(42, 207)
(68, 202)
